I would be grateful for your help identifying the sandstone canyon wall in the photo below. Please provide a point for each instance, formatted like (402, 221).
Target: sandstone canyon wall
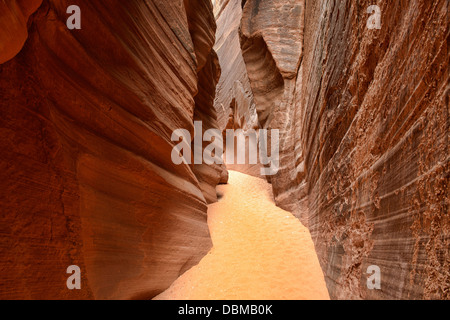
(234, 103)
(375, 132)
(14, 16)
(363, 116)
(86, 118)
(234, 100)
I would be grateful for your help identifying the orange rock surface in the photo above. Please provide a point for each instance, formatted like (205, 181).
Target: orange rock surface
(14, 16)
(86, 118)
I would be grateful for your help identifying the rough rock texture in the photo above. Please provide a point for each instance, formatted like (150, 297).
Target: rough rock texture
(375, 135)
(86, 118)
(271, 40)
(234, 101)
(364, 124)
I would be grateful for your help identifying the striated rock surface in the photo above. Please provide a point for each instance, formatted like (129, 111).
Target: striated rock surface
(209, 176)
(271, 35)
(364, 122)
(86, 118)
(376, 124)
(234, 101)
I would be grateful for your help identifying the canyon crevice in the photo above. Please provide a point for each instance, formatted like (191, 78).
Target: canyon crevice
(87, 116)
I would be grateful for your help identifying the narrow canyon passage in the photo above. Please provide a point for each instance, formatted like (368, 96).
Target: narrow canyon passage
(109, 110)
(259, 250)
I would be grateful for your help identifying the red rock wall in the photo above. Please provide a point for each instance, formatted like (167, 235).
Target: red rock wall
(234, 102)
(85, 172)
(209, 176)
(364, 124)
(14, 16)
(271, 34)
(376, 125)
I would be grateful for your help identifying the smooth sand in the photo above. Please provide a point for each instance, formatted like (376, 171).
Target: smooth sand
(260, 251)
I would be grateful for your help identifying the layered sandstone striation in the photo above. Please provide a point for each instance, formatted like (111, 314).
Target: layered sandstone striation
(202, 27)
(86, 119)
(374, 107)
(363, 116)
(209, 176)
(234, 103)
(271, 35)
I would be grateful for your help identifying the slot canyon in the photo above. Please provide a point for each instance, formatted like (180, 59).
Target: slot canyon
(87, 176)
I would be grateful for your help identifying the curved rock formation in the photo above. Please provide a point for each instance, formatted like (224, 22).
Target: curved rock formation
(86, 119)
(271, 35)
(14, 16)
(209, 176)
(363, 117)
(234, 102)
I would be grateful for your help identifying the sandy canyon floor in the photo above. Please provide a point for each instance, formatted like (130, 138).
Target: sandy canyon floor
(259, 250)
